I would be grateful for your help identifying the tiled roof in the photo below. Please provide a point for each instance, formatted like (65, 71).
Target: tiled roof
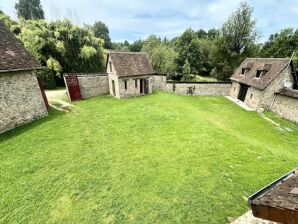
(130, 63)
(288, 92)
(271, 66)
(13, 55)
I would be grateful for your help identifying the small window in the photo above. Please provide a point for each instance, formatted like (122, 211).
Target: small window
(136, 83)
(243, 71)
(234, 89)
(251, 96)
(258, 74)
(111, 66)
(125, 84)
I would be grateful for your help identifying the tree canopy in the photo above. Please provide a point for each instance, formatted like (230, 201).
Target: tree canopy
(29, 9)
(101, 30)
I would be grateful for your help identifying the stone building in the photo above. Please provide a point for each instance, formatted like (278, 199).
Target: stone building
(21, 99)
(257, 80)
(129, 74)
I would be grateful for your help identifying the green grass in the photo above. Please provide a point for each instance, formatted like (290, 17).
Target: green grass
(156, 159)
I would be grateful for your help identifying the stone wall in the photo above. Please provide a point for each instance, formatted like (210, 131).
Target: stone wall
(21, 101)
(286, 107)
(93, 85)
(133, 86)
(159, 82)
(200, 88)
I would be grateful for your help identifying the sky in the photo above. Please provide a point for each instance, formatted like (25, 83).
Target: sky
(137, 19)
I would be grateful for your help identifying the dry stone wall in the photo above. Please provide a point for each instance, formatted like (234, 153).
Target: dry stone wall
(286, 107)
(159, 82)
(93, 85)
(21, 101)
(200, 88)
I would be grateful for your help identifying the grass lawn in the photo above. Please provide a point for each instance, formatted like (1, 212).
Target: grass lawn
(161, 158)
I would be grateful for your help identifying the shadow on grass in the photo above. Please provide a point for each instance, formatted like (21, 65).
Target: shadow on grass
(53, 114)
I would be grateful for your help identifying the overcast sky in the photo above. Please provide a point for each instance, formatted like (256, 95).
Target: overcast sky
(134, 19)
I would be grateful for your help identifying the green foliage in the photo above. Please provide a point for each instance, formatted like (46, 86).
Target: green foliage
(237, 41)
(101, 31)
(136, 46)
(186, 67)
(6, 19)
(160, 55)
(62, 46)
(282, 44)
(29, 9)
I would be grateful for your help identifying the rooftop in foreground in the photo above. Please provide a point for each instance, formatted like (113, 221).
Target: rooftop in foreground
(278, 201)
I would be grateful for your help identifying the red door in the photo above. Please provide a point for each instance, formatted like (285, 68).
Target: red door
(73, 87)
(41, 86)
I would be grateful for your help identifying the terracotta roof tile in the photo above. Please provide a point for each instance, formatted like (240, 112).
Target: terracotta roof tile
(272, 67)
(13, 55)
(130, 63)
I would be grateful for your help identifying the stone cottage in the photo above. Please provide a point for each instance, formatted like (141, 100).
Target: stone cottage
(21, 100)
(129, 74)
(257, 80)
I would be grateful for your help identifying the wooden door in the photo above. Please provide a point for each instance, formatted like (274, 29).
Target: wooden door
(73, 87)
(242, 92)
(146, 86)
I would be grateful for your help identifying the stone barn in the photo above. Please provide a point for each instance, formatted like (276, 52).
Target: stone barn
(129, 73)
(21, 100)
(257, 80)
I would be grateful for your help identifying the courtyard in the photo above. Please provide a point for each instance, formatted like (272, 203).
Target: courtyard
(162, 158)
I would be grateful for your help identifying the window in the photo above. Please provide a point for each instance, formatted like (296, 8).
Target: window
(234, 89)
(136, 83)
(243, 71)
(251, 96)
(125, 84)
(110, 63)
(258, 74)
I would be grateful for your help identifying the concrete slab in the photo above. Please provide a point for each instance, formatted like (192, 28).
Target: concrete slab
(239, 103)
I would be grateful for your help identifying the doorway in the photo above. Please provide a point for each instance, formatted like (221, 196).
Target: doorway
(113, 88)
(242, 92)
(144, 86)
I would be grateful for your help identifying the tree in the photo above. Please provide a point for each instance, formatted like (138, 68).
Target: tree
(237, 41)
(136, 46)
(182, 46)
(29, 9)
(62, 46)
(161, 56)
(101, 31)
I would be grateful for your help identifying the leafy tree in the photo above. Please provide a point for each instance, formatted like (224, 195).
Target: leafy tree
(186, 68)
(62, 47)
(101, 30)
(6, 19)
(161, 56)
(182, 46)
(237, 41)
(136, 46)
(29, 9)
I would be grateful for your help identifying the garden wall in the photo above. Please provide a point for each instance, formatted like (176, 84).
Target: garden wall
(200, 88)
(286, 107)
(159, 82)
(93, 85)
(20, 100)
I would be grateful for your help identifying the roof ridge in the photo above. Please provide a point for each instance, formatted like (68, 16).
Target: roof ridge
(126, 52)
(269, 58)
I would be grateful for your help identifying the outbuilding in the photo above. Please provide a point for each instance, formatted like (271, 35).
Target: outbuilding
(21, 99)
(129, 74)
(257, 80)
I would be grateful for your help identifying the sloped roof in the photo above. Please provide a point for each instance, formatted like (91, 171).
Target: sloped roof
(13, 55)
(288, 92)
(130, 63)
(272, 66)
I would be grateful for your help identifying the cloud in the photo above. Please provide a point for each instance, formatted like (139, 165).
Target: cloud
(134, 19)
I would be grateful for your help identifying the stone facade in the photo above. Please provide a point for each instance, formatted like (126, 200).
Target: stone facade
(200, 88)
(133, 86)
(286, 107)
(92, 85)
(159, 82)
(21, 101)
(256, 98)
